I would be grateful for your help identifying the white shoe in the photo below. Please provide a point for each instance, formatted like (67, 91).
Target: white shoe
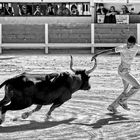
(124, 105)
(112, 109)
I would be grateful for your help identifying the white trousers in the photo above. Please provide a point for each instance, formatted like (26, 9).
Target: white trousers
(127, 80)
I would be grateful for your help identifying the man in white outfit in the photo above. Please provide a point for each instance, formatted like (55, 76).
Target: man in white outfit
(127, 52)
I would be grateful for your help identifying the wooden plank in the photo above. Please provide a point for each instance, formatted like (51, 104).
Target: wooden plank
(69, 26)
(23, 34)
(112, 36)
(120, 26)
(83, 30)
(110, 40)
(138, 33)
(69, 40)
(58, 35)
(115, 31)
(23, 45)
(134, 18)
(107, 44)
(69, 45)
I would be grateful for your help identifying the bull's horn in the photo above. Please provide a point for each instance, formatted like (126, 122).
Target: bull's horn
(71, 64)
(95, 65)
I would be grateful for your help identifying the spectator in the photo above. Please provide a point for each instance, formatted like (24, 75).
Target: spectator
(38, 11)
(124, 10)
(55, 6)
(1, 10)
(23, 10)
(74, 10)
(16, 9)
(101, 10)
(29, 9)
(63, 10)
(8, 11)
(132, 11)
(110, 16)
(50, 9)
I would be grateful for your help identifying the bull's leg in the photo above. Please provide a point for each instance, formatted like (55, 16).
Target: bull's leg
(7, 98)
(3, 110)
(66, 95)
(27, 114)
(4, 101)
(48, 115)
(2, 118)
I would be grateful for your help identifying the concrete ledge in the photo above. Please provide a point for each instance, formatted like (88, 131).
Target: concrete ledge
(46, 47)
(15, 46)
(107, 44)
(68, 45)
(22, 45)
(56, 46)
(69, 48)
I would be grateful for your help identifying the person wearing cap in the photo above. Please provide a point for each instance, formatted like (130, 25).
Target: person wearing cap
(101, 10)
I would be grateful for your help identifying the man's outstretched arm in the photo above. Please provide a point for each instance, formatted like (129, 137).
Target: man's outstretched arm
(102, 52)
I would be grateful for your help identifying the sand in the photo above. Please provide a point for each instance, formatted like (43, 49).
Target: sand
(85, 116)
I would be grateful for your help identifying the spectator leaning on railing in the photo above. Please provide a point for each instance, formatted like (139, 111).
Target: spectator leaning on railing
(101, 10)
(74, 10)
(1, 10)
(37, 9)
(38, 12)
(110, 15)
(50, 9)
(8, 11)
(63, 10)
(23, 11)
(124, 10)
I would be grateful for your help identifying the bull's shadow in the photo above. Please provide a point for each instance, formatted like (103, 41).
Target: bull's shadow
(34, 125)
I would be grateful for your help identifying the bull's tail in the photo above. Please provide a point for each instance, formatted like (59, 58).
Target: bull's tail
(7, 81)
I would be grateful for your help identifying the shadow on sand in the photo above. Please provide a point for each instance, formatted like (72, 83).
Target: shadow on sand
(113, 119)
(33, 125)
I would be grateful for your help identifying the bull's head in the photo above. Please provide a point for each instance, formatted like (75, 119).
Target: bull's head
(84, 74)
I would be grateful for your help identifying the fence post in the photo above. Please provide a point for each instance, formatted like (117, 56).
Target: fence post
(138, 33)
(46, 38)
(92, 10)
(92, 38)
(0, 38)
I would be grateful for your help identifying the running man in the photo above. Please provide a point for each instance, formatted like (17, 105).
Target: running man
(127, 52)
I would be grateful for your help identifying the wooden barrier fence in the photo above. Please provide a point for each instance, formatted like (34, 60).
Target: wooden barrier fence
(65, 36)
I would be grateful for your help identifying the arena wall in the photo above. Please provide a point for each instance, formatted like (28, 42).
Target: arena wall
(114, 33)
(64, 36)
(23, 33)
(69, 33)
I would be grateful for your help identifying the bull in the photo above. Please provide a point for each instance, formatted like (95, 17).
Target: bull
(56, 88)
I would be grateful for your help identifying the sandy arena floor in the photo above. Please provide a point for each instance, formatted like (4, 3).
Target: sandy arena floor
(85, 116)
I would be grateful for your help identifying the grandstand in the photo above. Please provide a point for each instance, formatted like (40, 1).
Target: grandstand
(64, 26)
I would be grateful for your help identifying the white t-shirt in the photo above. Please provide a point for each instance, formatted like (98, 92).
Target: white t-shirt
(127, 55)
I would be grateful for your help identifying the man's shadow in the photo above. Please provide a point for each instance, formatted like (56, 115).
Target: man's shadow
(34, 125)
(113, 119)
